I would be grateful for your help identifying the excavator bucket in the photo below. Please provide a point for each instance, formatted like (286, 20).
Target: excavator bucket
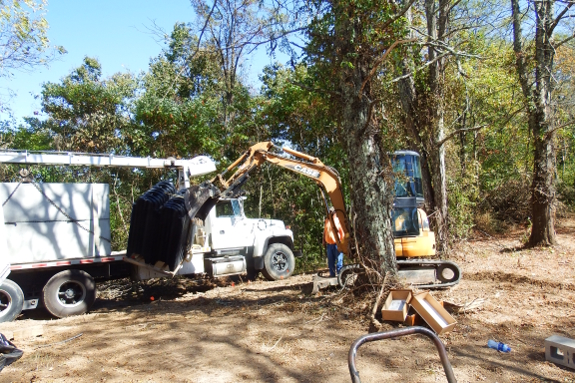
(162, 224)
(200, 199)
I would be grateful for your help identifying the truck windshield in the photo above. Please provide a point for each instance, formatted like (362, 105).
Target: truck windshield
(407, 173)
(405, 221)
(228, 209)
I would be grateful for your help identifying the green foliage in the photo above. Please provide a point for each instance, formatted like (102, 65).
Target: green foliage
(463, 196)
(171, 125)
(345, 36)
(293, 113)
(483, 161)
(187, 107)
(31, 136)
(564, 93)
(86, 113)
(24, 40)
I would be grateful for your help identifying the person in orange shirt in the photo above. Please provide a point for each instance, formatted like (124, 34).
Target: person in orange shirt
(334, 256)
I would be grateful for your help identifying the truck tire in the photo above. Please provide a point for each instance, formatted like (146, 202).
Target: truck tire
(279, 262)
(11, 300)
(70, 292)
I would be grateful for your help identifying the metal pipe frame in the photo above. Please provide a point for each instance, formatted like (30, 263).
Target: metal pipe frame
(354, 373)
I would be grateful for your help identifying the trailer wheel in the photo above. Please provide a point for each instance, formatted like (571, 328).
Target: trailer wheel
(11, 300)
(70, 292)
(279, 262)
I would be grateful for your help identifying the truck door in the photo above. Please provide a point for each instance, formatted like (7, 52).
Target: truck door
(231, 228)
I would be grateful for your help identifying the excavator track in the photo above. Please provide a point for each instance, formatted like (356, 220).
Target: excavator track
(447, 273)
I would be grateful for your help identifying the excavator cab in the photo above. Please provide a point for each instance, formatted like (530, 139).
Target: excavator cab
(411, 232)
(407, 174)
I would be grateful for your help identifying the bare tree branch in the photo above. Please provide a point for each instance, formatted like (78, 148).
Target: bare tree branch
(452, 134)
(559, 17)
(380, 60)
(273, 38)
(549, 132)
(556, 46)
(439, 57)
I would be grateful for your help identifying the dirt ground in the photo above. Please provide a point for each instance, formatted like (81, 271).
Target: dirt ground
(272, 332)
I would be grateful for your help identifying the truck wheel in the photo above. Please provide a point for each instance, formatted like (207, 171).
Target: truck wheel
(70, 292)
(279, 262)
(11, 300)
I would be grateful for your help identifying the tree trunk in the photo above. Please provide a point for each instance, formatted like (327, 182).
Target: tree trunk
(543, 194)
(408, 98)
(440, 191)
(424, 117)
(537, 95)
(437, 18)
(371, 184)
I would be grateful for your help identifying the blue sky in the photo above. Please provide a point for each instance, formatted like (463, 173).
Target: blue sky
(115, 32)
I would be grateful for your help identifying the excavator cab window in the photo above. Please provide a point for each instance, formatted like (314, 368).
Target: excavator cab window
(407, 173)
(424, 220)
(405, 221)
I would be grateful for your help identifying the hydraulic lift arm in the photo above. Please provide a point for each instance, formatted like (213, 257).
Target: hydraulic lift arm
(196, 166)
(324, 176)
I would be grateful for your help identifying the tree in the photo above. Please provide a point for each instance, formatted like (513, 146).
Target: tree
(534, 63)
(348, 43)
(182, 111)
(24, 41)
(441, 31)
(228, 31)
(294, 111)
(86, 113)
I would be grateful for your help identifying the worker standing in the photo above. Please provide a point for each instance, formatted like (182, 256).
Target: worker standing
(334, 256)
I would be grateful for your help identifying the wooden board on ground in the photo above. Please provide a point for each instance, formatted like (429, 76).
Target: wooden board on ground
(24, 333)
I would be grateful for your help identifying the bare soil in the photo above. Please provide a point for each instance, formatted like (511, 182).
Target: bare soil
(271, 332)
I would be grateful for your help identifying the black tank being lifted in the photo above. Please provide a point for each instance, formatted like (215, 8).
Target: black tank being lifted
(162, 222)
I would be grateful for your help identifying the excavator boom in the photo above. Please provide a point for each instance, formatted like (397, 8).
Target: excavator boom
(324, 176)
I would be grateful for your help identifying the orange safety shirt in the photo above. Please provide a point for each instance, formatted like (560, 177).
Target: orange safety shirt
(328, 234)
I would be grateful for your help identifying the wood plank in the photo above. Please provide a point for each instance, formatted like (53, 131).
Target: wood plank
(29, 332)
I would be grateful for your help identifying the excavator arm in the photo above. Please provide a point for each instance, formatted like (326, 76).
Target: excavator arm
(324, 176)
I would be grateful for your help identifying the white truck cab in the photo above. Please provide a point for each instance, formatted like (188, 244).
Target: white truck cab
(266, 243)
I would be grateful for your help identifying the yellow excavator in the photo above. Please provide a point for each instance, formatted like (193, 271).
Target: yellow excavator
(414, 241)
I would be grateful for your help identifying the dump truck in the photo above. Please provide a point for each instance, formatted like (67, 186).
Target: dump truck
(55, 238)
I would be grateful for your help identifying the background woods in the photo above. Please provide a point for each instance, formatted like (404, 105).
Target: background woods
(483, 91)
